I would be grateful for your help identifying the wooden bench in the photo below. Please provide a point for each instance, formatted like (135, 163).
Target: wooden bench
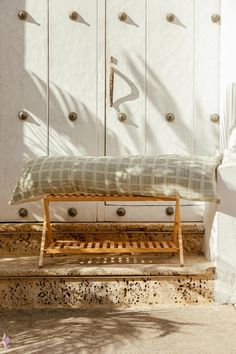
(48, 246)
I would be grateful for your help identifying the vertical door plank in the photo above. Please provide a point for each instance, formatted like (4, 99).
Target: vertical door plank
(125, 42)
(73, 75)
(23, 86)
(170, 70)
(207, 76)
(75, 66)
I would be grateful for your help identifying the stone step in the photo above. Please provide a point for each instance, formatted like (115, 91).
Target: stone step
(24, 239)
(102, 280)
(99, 280)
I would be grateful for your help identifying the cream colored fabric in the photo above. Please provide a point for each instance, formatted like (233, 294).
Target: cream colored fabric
(190, 177)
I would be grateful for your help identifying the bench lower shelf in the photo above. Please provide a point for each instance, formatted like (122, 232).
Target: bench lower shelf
(77, 247)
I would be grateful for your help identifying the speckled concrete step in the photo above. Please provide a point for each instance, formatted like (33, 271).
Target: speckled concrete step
(101, 280)
(90, 280)
(24, 239)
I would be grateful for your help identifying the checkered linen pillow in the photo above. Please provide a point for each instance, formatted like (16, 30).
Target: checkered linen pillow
(190, 177)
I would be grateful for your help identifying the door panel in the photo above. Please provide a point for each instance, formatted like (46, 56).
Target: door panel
(74, 77)
(160, 67)
(125, 43)
(172, 80)
(23, 87)
(152, 213)
(170, 77)
(207, 77)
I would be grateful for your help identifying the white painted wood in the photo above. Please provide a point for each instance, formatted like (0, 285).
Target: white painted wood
(126, 44)
(207, 77)
(86, 212)
(74, 77)
(160, 67)
(23, 86)
(228, 72)
(101, 101)
(170, 68)
(152, 213)
(166, 80)
(73, 73)
(125, 52)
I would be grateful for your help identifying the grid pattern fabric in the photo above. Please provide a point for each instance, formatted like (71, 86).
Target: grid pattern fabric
(189, 177)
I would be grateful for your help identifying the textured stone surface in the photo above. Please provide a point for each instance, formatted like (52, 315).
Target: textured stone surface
(24, 239)
(101, 280)
(80, 281)
(106, 265)
(80, 293)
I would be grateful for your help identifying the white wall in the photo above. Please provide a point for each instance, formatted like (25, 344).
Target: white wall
(222, 240)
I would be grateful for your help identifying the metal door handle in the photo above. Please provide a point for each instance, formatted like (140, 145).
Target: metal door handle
(111, 84)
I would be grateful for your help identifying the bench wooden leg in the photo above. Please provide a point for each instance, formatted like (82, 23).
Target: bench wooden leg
(178, 219)
(46, 232)
(175, 231)
(42, 247)
(48, 223)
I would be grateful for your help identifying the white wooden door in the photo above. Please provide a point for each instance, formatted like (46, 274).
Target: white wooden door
(166, 59)
(23, 87)
(76, 87)
(52, 65)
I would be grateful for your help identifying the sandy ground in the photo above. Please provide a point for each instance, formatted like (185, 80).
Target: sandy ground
(161, 329)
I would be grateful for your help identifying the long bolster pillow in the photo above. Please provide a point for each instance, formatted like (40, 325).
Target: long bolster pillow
(190, 177)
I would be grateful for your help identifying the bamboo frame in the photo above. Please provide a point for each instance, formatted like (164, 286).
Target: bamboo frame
(76, 247)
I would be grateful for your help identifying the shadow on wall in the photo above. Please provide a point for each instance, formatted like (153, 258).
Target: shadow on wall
(70, 331)
(65, 137)
(17, 90)
(159, 97)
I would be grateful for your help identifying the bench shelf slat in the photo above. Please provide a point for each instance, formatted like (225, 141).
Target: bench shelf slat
(109, 247)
